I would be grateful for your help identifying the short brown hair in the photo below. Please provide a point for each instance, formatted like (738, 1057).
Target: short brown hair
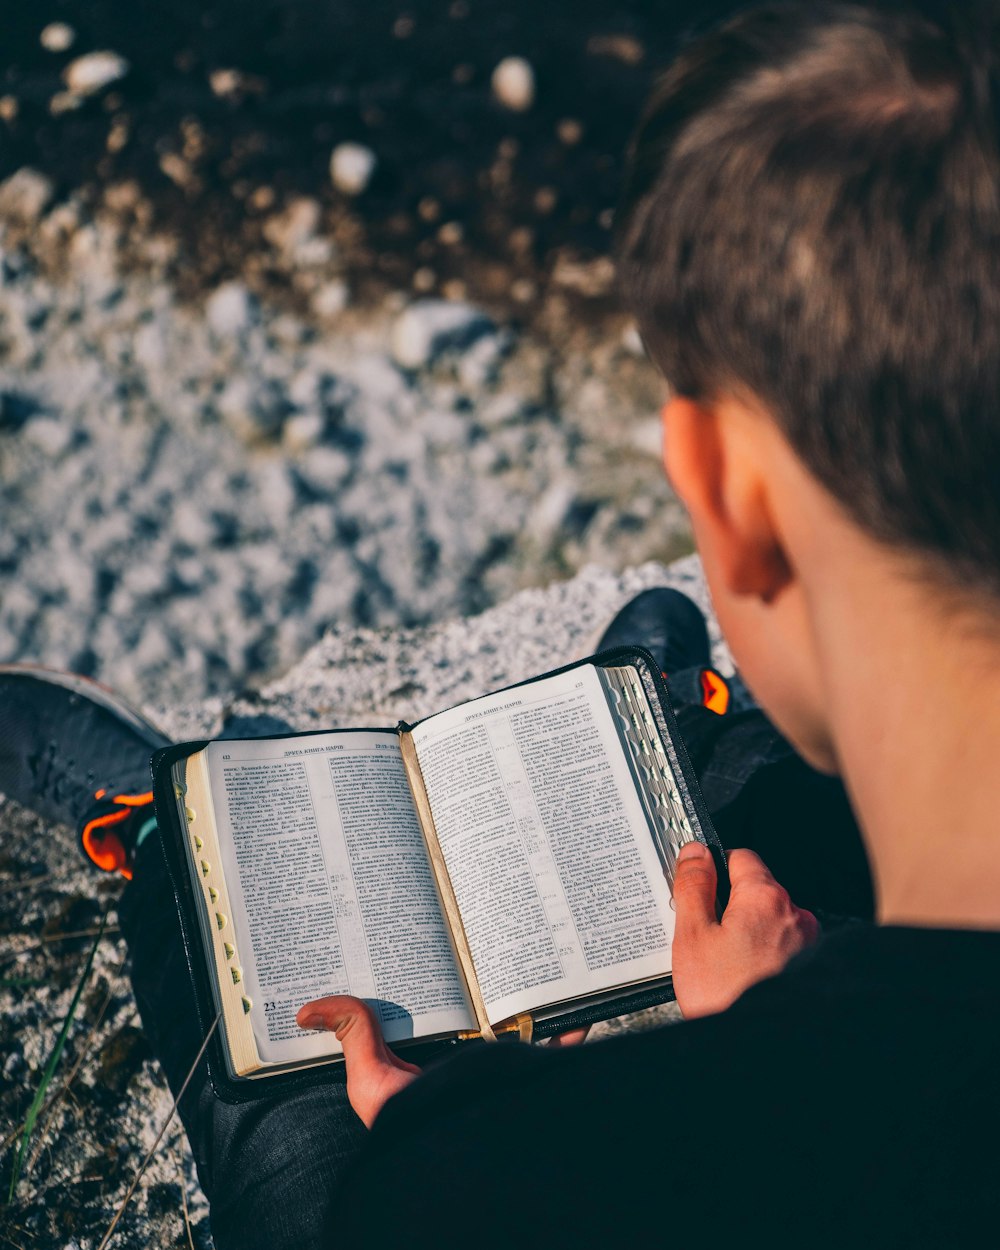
(813, 215)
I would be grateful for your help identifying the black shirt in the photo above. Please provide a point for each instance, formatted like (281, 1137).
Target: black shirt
(852, 1101)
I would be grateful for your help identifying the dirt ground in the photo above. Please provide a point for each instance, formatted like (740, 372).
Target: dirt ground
(229, 109)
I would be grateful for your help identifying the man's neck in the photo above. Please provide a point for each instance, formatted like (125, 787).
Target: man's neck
(915, 711)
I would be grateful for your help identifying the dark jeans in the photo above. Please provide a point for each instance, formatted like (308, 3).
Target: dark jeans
(270, 1168)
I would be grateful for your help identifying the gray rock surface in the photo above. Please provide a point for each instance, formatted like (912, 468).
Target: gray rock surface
(98, 1133)
(194, 492)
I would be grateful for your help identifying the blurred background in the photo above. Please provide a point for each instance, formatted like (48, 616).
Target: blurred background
(307, 318)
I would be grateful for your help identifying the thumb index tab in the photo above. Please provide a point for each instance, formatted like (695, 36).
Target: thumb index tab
(695, 882)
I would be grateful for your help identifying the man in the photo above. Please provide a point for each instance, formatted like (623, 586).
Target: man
(809, 242)
(810, 245)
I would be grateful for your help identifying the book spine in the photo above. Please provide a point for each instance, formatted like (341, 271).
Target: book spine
(443, 881)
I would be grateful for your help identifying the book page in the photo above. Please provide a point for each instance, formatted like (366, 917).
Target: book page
(331, 888)
(546, 842)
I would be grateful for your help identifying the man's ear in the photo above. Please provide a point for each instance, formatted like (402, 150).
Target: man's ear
(715, 455)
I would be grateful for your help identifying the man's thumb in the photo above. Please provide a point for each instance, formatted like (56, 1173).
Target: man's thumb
(374, 1073)
(352, 1020)
(695, 883)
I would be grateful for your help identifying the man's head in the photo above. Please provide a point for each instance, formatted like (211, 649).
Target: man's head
(810, 241)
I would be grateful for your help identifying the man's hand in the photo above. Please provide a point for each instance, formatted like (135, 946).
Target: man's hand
(374, 1073)
(715, 961)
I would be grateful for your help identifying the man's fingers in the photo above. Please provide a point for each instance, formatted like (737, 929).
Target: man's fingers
(356, 1026)
(808, 925)
(572, 1037)
(374, 1073)
(754, 886)
(747, 868)
(695, 883)
(352, 1020)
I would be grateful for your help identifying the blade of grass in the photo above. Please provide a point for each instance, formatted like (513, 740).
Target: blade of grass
(53, 1062)
(85, 1053)
(159, 1136)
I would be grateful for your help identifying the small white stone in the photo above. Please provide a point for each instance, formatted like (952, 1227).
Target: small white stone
(429, 327)
(294, 225)
(570, 131)
(118, 134)
(513, 84)
(646, 436)
(225, 82)
(325, 469)
(64, 102)
(57, 37)
(549, 513)
(25, 195)
(190, 523)
(236, 397)
(286, 330)
(632, 341)
(351, 167)
(302, 431)
(230, 310)
(92, 73)
(314, 253)
(305, 387)
(176, 169)
(478, 366)
(149, 348)
(50, 436)
(13, 1064)
(451, 233)
(331, 298)
(504, 409)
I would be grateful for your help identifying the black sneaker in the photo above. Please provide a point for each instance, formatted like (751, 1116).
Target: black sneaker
(672, 628)
(77, 754)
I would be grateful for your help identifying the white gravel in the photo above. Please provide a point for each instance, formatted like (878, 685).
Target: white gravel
(430, 327)
(191, 495)
(351, 167)
(57, 37)
(94, 71)
(513, 83)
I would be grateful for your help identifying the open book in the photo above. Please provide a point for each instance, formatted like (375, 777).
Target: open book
(501, 866)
